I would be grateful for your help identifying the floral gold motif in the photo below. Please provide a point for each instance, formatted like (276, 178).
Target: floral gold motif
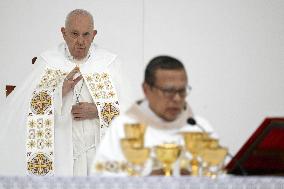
(51, 78)
(100, 85)
(31, 144)
(41, 103)
(32, 124)
(47, 123)
(40, 165)
(109, 112)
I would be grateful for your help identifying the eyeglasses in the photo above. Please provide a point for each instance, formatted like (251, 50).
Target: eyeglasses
(170, 92)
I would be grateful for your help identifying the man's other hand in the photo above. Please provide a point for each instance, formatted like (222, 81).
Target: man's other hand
(84, 110)
(69, 83)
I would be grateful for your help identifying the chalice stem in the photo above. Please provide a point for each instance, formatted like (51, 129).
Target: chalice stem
(194, 167)
(167, 169)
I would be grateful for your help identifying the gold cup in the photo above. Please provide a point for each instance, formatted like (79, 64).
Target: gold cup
(194, 144)
(126, 143)
(213, 157)
(135, 154)
(135, 130)
(167, 154)
(210, 143)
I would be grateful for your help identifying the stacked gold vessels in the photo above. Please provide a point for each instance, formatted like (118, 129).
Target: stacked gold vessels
(207, 149)
(133, 148)
(206, 154)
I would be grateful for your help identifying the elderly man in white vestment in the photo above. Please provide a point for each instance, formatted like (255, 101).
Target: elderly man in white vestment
(164, 111)
(59, 114)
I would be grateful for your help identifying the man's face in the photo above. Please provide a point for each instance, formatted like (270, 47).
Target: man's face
(167, 97)
(79, 35)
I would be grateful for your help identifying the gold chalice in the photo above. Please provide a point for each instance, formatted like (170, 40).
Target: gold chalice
(208, 144)
(135, 154)
(213, 157)
(211, 143)
(126, 143)
(194, 144)
(134, 130)
(167, 154)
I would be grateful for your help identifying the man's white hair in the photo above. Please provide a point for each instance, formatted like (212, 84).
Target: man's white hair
(77, 12)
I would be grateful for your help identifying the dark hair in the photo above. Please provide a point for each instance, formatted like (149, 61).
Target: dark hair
(160, 62)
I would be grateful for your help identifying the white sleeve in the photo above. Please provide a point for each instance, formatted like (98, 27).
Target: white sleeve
(13, 119)
(62, 105)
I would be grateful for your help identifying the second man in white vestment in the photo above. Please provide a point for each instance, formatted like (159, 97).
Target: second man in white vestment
(164, 112)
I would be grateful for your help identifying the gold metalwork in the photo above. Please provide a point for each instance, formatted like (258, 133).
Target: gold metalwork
(167, 154)
(126, 143)
(193, 144)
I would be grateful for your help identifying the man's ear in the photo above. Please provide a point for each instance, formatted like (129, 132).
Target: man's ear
(94, 34)
(63, 31)
(146, 88)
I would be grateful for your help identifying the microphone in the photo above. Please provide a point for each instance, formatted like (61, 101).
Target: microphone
(191, 121)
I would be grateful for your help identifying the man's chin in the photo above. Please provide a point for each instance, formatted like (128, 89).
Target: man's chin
(172, 115)
(80, 56)
(170, 118)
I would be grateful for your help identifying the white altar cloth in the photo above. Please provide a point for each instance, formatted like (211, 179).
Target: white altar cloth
(157, 182)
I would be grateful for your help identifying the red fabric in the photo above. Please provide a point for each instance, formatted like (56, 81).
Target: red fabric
(264, 150)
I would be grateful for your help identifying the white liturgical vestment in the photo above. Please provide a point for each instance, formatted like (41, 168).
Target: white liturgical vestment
(109, 154)
(38, 134)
